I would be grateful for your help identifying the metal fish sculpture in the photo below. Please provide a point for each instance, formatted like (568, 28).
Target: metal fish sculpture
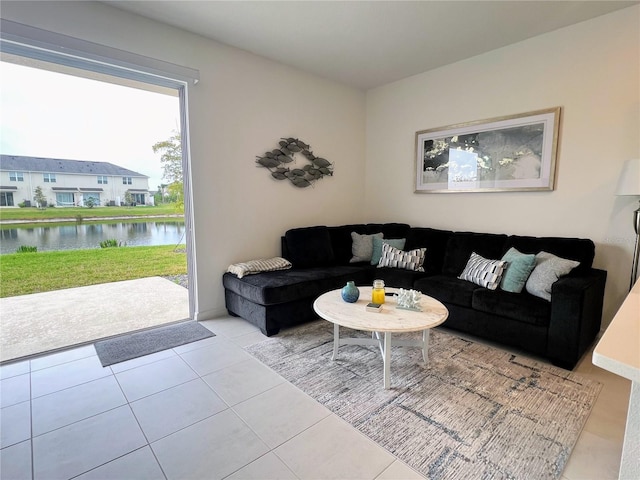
(299, 177)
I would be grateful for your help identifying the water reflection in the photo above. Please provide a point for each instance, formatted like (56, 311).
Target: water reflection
(71, 237)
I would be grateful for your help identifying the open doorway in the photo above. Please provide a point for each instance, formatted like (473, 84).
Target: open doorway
(134, 186)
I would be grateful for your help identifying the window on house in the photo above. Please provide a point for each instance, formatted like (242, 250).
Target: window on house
(64, 199)
(16, 176)
(126, 180)
(138, 198)
(94, 196)
(49, 177)
(6, 199)
(102, 180)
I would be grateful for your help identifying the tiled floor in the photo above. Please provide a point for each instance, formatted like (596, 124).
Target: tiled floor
(210, 410)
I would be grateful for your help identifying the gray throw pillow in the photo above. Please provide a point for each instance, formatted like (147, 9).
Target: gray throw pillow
(362, 247)
(547, 271)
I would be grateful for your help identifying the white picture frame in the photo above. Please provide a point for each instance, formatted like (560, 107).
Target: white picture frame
(512, 153)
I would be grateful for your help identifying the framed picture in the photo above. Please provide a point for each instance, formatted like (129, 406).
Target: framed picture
(514, 153)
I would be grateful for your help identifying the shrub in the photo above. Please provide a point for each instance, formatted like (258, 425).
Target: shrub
(39, 198)
(112, 242)
(26, 249)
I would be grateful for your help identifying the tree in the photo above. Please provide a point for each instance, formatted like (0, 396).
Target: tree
(171, 161)
(170, 158)
(128, 199)
(39, 198)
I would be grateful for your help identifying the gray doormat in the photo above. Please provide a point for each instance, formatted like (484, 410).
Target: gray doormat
(126, 347)
(474, 411)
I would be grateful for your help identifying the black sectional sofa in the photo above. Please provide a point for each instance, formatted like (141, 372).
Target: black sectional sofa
(560, 330)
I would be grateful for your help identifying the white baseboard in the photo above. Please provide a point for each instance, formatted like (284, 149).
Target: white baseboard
(210, 314)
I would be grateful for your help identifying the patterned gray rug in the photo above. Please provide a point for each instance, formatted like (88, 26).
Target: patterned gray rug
(473, 412)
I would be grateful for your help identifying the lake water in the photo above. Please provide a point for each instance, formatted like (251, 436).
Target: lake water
(73, 236)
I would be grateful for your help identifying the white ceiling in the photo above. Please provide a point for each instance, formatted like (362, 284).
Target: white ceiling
(366, 44)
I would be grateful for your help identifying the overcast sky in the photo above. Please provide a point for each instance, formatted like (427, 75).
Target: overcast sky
(48, 114)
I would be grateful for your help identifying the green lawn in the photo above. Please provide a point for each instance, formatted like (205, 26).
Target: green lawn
(24, 273)
(31, 213)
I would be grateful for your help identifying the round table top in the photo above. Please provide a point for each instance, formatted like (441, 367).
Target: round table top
(331, 307)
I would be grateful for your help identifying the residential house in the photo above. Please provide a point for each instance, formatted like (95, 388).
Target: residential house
(69, 183)
(244, 103)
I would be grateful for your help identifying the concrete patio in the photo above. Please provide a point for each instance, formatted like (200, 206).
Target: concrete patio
(49, 321)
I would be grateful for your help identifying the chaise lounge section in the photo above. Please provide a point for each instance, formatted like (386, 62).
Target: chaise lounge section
(560, 330)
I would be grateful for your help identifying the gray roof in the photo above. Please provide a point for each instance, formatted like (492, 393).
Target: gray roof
(16, 163)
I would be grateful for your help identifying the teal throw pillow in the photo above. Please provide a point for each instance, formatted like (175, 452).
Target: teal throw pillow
(519, 267)
(377, 247)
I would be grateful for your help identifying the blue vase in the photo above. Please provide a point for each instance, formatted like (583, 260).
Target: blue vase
(350, 292)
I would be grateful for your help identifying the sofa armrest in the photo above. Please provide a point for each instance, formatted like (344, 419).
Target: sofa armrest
(576, 313)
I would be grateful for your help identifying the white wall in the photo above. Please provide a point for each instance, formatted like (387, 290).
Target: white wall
(591, 71)
(240, 108)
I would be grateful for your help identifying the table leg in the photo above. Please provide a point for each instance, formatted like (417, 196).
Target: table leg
(387, 360)
(630, 463)
(336, 340)
(425, 345)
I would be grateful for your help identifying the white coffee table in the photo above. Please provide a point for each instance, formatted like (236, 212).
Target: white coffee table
(332, 308)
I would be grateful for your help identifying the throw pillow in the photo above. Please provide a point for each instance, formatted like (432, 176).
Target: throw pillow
(257, 266)
(548, 270)
(483, 272)
(362, 247)
(377, 247)
(412, 260)
(519, 267)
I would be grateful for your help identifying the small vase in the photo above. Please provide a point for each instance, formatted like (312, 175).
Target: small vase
(350, 292)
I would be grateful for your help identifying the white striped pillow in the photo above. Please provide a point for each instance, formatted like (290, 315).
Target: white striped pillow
(257, 266)
(396, 258)
(483, 272)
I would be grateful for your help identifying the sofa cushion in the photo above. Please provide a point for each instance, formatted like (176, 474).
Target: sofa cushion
(519, 267)
(390, 230)
(435, 241)
(309, 247)
(397, 277)
(376, 255)
(521, 307)
(447, 289)
(462, 244)
(272, 288)
(579, 249)
(549, 268)
(341, 241)
(484, 272)
(341, 236)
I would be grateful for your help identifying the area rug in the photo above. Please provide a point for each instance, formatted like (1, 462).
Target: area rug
(474, 411)
(49, 321)
(126, 347)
